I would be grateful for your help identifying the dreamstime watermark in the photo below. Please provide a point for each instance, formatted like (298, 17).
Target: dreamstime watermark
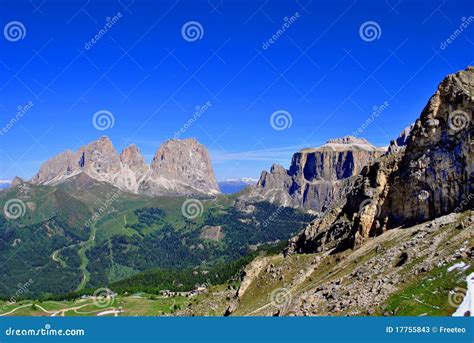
(464, 25)
(14, 209)
(280, 297)
(464, 203)
(377, 110)
(46, 331)
(103, 208)
(21, 111)
(281, 120)
(192, 208)
(456, 296)
(22, 289)
(458, 120)
(272, 217)
(103, 120)
(103, 297)
(369, 205)
(110, 22)
(287, 23)
(199, 111)
(192, 31)
(370, 31)
(14, 31)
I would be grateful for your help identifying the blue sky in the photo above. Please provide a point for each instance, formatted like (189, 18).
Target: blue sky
(151, 79)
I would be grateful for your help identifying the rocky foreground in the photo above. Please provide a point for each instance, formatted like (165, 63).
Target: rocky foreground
(367, 280)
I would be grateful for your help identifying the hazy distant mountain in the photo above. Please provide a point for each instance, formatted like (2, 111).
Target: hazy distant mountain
(180, 167)
(231, 186)
(5, 184)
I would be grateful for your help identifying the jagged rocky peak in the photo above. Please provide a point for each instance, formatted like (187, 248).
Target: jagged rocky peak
(132, 158)
(99, 157)
(186, 162)
(401, 141)
(56, 168)
(437, 169)
(317, 177)
(180, 167)
(432, 176)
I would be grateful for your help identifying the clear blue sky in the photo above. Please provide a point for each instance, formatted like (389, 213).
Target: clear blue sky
(151, 79)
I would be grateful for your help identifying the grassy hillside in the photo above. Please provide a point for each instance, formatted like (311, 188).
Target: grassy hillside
(402, 272)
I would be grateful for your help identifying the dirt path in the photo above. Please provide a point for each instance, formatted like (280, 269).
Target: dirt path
(14, 310)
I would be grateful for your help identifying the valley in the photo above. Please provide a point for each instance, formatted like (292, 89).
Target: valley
(430, 282)
(133, 233)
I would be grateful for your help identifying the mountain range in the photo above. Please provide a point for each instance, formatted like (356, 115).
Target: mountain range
(179, 167)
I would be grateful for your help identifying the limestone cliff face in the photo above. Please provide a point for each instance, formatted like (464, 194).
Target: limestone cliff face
(317, 177)
(57, 167)
(432, 176)
(179, 167)
(98, 158)
(184, 162)
(134, 169)
(436, 172)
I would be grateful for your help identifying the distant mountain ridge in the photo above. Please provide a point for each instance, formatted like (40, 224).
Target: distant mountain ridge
(5, 184)
(180, 167)
(231, 186)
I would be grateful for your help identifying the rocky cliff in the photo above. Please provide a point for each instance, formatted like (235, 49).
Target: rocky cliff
(317, 177)
(432, 176)
(179, 167)
(187, 164)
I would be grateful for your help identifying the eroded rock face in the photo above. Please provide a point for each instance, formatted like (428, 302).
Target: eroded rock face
(317, 177)
(134, 160)
(99, 159)
(179, 167)
(134, 169)
(436, 172)
(187, 163)
(56, 168)
(432, 176)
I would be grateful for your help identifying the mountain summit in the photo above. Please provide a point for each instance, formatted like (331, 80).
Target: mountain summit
(180, 167)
